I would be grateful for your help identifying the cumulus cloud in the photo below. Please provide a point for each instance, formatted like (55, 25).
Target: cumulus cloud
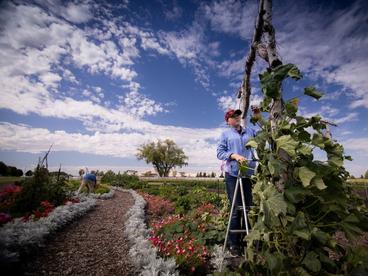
(196, 143)
(232, 17)
(139, 105)
(226, 102)
(330, 43)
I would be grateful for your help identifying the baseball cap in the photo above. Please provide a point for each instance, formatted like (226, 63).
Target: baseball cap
(232, 113)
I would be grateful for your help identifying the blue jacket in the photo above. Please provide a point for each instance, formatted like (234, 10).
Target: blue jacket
(233, 142)
(90, 177)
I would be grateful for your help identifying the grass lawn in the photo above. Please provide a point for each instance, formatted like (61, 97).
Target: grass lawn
(9, 179)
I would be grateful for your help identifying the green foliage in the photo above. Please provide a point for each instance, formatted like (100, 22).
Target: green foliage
(163, 155)
(9, 170)
(41, 186)
(302, 202)
(108, 177)
(29, 173)
(101, 189)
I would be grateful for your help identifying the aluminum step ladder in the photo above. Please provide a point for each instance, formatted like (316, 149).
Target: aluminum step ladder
(243, 208)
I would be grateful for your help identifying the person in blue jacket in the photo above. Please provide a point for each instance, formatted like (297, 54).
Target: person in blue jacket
(89, 180)
(232, 150)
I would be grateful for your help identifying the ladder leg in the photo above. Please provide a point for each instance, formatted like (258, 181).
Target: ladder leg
(244, 206)
(231, 213)
(228, 225)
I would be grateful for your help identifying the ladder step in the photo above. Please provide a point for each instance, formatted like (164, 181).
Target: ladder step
(238, 231)
(240, 208)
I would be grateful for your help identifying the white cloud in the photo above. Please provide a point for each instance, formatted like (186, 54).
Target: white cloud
(190, 48)
(330, 43)
(358, 149)
(227, 102)
(196, 143)
(173, 13)
(140, 105)
(232, 17)
(77, 13)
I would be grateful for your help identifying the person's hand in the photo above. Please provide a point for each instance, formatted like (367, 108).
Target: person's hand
(238, 157)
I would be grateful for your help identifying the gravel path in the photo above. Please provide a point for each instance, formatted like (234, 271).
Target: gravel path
(92, 245)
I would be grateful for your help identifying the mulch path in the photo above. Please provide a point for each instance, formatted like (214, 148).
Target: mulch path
(92, 245)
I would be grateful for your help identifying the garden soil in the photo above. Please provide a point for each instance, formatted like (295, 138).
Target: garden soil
(93, 245)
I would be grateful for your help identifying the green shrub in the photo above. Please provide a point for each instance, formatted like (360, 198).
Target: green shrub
(38, 188)
(101, 189)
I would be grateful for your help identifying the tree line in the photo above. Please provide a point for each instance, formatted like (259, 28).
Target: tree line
(9, 170)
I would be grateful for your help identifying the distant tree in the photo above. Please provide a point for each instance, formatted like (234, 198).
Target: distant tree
(200, 174)
(29, 173)
(352, 177)
(361, 176)
(213, 174)
(3, 169)
(163, 155)
(204, 174)
(222, 175)
(12, 171)
(18, 172)
(366, 175)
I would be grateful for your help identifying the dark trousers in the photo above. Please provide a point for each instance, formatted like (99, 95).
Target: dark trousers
(234, 238)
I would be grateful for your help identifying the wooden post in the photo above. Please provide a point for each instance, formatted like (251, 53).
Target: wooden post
(245, 88)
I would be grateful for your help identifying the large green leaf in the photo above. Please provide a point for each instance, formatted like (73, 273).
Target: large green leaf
(274, 261)
(251, 143)
(291, 108)
(321, 236)
(295, 194)
(311, 262)
(335, 160)
(319, 183)
(318, 140)
(299, 227)
(273, 205)
(271, 81)
(287, 143)
(305, 150)
(304, 234)
(304, 136)
(311, 91)
(274, 166)
(299, 222)
(305, 175)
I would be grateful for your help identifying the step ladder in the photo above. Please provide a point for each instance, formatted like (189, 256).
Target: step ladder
(243, 208)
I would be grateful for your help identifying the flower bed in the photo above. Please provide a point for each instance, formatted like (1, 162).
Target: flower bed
(142, 253)
(191, 238)
(21, 235)
(157, 206)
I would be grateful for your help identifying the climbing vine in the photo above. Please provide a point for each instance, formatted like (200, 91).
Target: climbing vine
(296, 218)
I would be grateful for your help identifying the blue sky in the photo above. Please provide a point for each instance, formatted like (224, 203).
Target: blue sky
(98, 80)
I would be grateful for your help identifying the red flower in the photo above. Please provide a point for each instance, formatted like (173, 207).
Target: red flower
(4, 218)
